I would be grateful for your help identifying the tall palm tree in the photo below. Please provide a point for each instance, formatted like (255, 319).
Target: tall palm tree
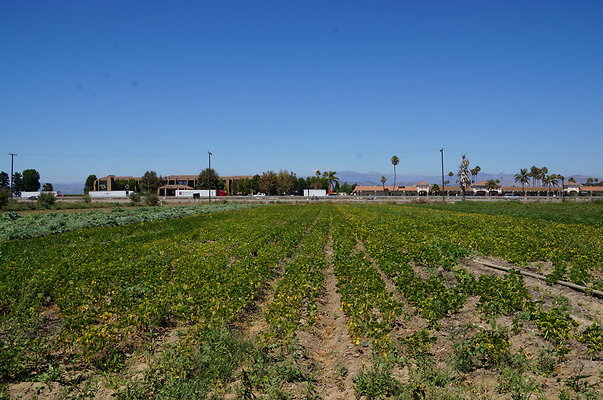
(534, 174)
(473, 173)
(549, 181)
(562, 178)
(383, 180)
(332, 179)
(395, 160)
(524, 177)
(477, 169)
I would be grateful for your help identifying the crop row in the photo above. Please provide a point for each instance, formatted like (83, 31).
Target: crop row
(296, 294)
(370, 308)
(95, 294)
(441, 238)
(399, 243)
(15, 226)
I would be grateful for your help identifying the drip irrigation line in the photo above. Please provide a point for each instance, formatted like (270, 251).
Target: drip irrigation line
(583, 289)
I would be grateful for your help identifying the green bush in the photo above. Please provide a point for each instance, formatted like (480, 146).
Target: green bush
(86, 198)
(46, 200)
(151, 199)
(135, 198)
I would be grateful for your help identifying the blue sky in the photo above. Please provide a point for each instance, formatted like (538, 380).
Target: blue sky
(128, 86)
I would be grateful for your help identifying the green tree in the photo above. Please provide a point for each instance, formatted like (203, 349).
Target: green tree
(31, 180)
(348, 188)
(395, 160)
(255, 183)
(300, 186)
(524, 177)
(4, 196)
(151, 199)
(268, 183)
(4, 179)
(285, 182)
(150, 182)
(209, 179)
(18, 186)
(242, 186)
(383, 180)
(47, 187)
(89, 184)
(121, 184)
(46, 199)
(435, 189)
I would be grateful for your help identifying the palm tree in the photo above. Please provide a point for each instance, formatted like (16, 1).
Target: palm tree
(491, 184)
(473, 173)
(395, 160)
(477, 169)
(572, 180)
(331, 179)
(562, 178)
(383, 180)
(549, 181)
(524, 177)
(534, 174)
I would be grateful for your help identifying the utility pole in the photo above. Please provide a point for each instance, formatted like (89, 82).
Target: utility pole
(12, 158)
(442, 157)
(209, 176)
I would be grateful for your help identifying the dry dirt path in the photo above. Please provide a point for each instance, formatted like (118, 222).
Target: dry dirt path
(329, 344)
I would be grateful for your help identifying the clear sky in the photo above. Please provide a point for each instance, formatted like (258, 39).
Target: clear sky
(101, 87)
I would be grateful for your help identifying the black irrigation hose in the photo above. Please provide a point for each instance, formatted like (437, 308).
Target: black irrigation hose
(579, 288)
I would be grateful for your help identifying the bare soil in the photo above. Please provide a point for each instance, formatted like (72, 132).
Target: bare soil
(329, 344)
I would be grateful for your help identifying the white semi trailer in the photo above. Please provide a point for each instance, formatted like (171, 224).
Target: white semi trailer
(110, 194)
(315, 193)
(193, 194)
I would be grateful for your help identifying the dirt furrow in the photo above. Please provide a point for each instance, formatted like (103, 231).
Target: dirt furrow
(328, 342)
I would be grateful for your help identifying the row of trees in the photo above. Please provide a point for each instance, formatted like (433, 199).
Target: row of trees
(287, 183)
(540, 176)
(269, 182)
(26, 181)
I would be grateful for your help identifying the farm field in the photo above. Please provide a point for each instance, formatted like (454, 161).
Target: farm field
(308, 302)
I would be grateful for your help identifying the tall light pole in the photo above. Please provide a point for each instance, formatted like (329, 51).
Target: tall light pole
(442, 157)
(12, 158)
(209, 175)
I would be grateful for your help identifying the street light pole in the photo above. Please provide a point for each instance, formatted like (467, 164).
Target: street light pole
(442, 157)
(209, 175)
(12, 158)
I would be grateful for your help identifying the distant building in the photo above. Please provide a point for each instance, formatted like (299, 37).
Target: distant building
(420, 189)
(169, 184)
